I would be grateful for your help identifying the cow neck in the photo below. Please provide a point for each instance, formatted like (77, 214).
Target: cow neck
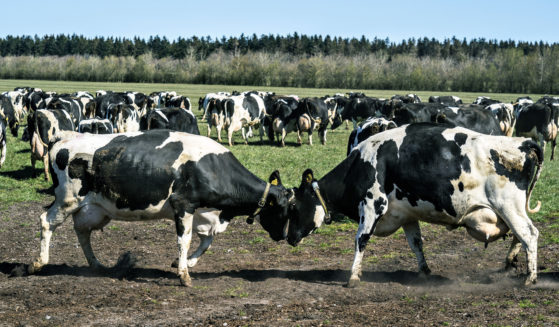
(334, 189)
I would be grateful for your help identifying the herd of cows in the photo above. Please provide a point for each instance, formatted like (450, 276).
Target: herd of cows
(441, 162)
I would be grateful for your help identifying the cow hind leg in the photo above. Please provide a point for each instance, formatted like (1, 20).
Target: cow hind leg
(50, 220)
(413, 235)
(46, 166)
(86, 220)
(183, 223)
(370, 211)
(515, 247)
(205, 243)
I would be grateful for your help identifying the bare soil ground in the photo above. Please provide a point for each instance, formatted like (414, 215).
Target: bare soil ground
(247, 279)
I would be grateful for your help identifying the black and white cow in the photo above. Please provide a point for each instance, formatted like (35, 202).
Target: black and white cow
(449, 100)
(427, 172)
(312, 114)
(124, 117)
(485, 101)
(539, 121)
(106, 101)
(71, 105)
(408, 98)
(504, 113)
(179, 101)
(95, 126)
(243, 111)
(9, 114)
(367, 129)
(284, 117)
(470, 116)
(137, 100)
(42, 127)
(176, 119)
(16, 98)
(102, 177)
(3, 146)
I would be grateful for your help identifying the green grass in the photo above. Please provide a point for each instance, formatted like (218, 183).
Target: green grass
(17, 184)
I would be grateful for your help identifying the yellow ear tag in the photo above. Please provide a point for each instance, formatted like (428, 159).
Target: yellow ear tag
(309, 178)
(271, 203)
(274, 182)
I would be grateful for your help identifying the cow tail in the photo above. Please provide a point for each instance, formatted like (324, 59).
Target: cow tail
(539, 154)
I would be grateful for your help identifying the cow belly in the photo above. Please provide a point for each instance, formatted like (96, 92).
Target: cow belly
(106, 207)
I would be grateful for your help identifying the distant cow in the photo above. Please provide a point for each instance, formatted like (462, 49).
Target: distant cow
(312, 114)
(504, 112)
(540, 122)
(367, 129)
(176, 119)
(42, 127)
(449, 100)
(154, 175)
(96, 126)
(9, 114)
(485, 101)
(3, 145)
(243, 111)
(426, 172)
(284, 116)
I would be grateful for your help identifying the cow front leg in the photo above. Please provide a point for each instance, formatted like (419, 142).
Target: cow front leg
(244, 134)
(553, 143)
(209, 130)
(49, 220)
(370, 211)
(310, 138)
(413, 235)
(283, 134)
(3, 156)
(230, 136)
(183, 224)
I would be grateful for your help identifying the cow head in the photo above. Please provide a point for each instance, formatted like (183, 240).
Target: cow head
(306, 209)
(275, 210)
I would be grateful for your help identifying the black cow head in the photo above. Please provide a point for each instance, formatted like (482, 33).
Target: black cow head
(274, 215)
(305, 211)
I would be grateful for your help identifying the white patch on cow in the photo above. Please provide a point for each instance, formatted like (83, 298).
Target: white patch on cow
(194, 147)
(454, 109)
(319, 215)
(162, 115)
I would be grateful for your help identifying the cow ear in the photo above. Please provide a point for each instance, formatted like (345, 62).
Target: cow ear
(275, 178)
(308, 177)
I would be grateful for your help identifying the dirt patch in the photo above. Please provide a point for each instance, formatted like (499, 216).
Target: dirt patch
(247, 279)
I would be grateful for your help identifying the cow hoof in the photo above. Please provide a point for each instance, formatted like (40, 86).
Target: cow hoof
(352, 283)
(191, 262)
(425, 272)
(186, 281)
(530, 281)
(34, 267)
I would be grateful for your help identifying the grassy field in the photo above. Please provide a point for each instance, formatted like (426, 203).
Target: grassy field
(18, 185)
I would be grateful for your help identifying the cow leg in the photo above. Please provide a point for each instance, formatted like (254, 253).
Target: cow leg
(205, 243)
(244, 135)
(261, 132)
(3, 156)
(553, 143)
(370, 211)
(322, 134)
(50, 220)
(283, 134)
(87, 219)
(515, 247)
(354, 123)
(183, 222)
(527, 234)
(33, 161)
(310, 138)
(46, 166)
(230, 136)
(209, 130)
(299, 140)
(413, 235)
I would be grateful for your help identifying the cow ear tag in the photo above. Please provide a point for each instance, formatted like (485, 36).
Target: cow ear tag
(309, 178)
(274, 181)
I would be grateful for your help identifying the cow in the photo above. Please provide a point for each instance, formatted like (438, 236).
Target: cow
(449, 100)
(470, 116)
(95, 126)
(71, 105)
(42, 127)
(417, 113)
(504, 113)
(368, 128)
(3, 146)
(284, 117)
(540, 122)
(104, 103)
(8, 112)
(124, 117)
(137, 100)
(312, 114)
(485, 101)
(243, 111)
(176, 119)
(102, 177)
(427, 172)
(408, 98)
(16, 98)
(179, 101)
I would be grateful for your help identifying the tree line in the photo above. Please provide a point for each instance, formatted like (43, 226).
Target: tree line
(309, 45)
(477, 65)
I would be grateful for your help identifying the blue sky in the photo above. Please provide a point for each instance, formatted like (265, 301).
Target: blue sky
(397, 19)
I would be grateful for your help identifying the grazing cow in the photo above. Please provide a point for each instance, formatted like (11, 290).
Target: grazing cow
(243, 111)
(102, 177)
(3, 146)
(42, 127)
(540, 122)
(284, 118)
(16, 98)
(9, 114)
(449, 176)
(504, 113)
(408, 98)
(312, 114)
(176, 119)
(179, 101)
(449, 100)
(95, 126)
(367, 129)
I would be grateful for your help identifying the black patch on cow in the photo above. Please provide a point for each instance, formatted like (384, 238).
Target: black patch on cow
(387, 155)
(251, 105)
(125, 165)
(380, 205)
(461, 187)
(62, 159)
(460, 138)
(369, 195)
(77, 169)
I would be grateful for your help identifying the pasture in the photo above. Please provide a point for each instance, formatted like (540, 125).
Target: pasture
(246, 278)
